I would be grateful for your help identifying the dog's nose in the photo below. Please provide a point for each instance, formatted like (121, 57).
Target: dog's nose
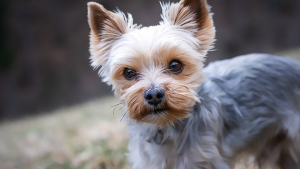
(154, 96)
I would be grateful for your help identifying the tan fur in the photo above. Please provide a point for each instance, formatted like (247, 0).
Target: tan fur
(178, 101)
(179, 88)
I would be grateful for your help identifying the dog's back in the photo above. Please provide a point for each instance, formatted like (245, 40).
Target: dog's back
(260, 96)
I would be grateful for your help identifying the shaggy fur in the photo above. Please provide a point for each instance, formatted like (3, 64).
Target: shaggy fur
(210, 117)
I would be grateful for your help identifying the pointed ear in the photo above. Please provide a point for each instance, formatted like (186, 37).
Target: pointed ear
(106, 28)
(101, 20)
(192, 15)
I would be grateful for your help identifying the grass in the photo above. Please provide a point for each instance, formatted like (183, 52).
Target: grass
(84, 136)
(293, 53)
(87, 136)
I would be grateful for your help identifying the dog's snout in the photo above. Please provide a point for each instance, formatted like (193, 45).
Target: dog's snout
(154, 96)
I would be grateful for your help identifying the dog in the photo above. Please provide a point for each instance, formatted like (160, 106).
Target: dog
(184, 116)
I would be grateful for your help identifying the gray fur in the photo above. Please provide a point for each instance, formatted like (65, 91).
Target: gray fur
(249, 105)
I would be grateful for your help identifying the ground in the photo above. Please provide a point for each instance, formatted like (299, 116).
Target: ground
(84, 136)
(90, 135)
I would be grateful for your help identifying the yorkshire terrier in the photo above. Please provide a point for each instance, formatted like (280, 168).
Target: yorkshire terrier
(184, 116)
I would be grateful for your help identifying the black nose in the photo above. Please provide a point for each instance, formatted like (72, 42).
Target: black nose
(154, 96)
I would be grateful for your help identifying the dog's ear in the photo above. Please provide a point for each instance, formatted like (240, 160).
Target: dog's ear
(192, 15)
(106, 28)
(103, 22)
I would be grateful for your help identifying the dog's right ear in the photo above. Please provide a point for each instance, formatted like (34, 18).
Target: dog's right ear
(106, 28)
(193, 16)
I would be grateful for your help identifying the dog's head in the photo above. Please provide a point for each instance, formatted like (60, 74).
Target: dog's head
(154, 70)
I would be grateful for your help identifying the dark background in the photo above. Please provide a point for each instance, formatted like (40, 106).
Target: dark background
(44, 55)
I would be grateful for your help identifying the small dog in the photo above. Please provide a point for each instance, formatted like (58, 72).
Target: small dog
(184, 116)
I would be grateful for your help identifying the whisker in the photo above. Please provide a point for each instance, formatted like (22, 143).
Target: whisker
(116, 104)
(124, 115)
(121, 107)
(114, 110)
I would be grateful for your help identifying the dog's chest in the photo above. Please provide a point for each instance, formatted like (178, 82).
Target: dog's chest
(151, 147)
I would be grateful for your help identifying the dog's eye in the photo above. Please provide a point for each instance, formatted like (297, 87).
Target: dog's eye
(129, 74)
(175, 66)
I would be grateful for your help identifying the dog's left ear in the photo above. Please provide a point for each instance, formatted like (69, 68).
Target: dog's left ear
(194, 16)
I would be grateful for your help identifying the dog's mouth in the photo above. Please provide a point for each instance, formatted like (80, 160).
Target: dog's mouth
(159, 111)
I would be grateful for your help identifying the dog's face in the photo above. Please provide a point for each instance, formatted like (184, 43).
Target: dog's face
(154, 70)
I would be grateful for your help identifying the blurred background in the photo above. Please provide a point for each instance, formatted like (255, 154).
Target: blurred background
(44, 68)
(44, 58)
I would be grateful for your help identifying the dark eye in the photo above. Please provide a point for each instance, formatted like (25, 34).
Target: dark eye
(175, 66)
(129, 74)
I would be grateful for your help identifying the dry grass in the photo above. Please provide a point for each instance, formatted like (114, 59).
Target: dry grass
(84, 136)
